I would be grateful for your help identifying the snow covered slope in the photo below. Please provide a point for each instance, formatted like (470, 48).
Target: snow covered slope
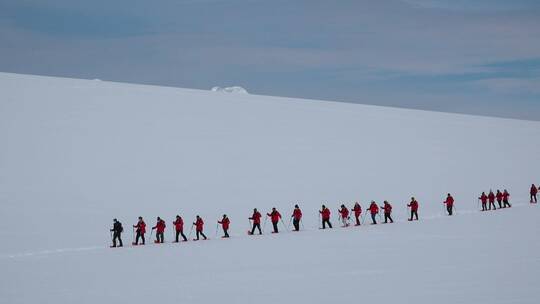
(76, 153)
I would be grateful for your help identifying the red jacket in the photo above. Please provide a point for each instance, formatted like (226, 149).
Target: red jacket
(506, 195)
(179, 224)
(534, 190)
(449, 201)
(499, 196)
(483, 198)
(357, 210)
(297, 214)
(274, 216)
(414, 205)
(387, 208)
(344, 212)
(160, 226)
(141, 227)
(325, 214)
(373, 208)
(491, 197)
(256, 217)
(199, 225)
(225, 223)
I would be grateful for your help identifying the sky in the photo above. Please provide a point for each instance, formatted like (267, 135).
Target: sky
(477, 57)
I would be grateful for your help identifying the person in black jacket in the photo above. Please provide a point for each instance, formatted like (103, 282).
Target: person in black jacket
(117, 233)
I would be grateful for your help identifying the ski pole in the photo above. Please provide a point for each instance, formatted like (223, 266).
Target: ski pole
(320, 220)
(215, 236)
(289, 226)
(302, 223)
(133, 235)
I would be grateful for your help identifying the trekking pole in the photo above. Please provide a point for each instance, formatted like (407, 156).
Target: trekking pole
(320, 220)
(289, 226)
(133, 235)
(264, 225)
(379, 215)
(286, 229)
(215, 235)
(302, 223)
(190, 231)
(151, 232)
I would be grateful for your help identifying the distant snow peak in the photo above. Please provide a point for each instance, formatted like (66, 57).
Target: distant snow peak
(234, 89)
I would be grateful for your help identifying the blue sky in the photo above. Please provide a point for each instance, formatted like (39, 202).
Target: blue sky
(478, 57)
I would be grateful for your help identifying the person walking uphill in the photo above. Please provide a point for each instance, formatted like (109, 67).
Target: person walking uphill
(357, 209)
(491, 199)
(160, 230)
(499, 197)
(374, 210)
(483, 198)
(414, 208)
(199, 226)
(179, 228)
(225, 222)
(296, 217)
(506, 195)
(387, 212)
(117, 230)
(344, 215)
(449, 204)
(256, 218)
(141, 230)
(274, 217)
(533, 192)
(325, 215)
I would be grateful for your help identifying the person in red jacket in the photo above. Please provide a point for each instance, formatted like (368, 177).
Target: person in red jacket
(225, 222)
(141, 230)
(534, 191)
(160, 230)
(499, 197)
(374, 210)
(387, 212)
(199, 226)
(274, 218)
(483, 198)
(325, 215)
(449, 204)
(506, 195)
(357, 209)
(414, 208)
(179, 228)
(344, 215)
(296, 217)
(256, 218)
(491, 200)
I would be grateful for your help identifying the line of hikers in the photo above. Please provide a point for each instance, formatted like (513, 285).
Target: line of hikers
(487, 201)
(501, 197)
(275, 219)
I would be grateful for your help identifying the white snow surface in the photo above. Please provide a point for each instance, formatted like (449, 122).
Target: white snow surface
(233, 89)
(76, 153)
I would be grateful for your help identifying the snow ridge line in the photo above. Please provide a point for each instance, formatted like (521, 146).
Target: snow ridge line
(81, 249)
